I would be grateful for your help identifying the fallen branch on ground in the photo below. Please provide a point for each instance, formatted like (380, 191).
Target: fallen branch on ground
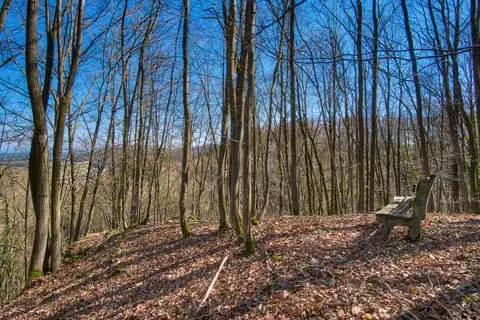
(212, 284)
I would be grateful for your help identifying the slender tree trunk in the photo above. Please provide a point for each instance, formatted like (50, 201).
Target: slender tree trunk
(91, 155)
(73, 188)
(222, 157)
(360, 121)
(64, 101)
(266, 171)
(247, 128)
(475, 34)
(452, 107)
(235, 100)
(187, 125)
(389, 142)
(373, 140)
(295, 206)
(96, 185)
(127, 106)
(418, 94)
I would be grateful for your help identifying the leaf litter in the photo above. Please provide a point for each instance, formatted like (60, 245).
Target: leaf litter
(304, 267)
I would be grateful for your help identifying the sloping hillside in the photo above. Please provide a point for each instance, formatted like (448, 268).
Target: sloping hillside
(321, 268)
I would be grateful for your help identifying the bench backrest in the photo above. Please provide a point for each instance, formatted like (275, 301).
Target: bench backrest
(424, 189)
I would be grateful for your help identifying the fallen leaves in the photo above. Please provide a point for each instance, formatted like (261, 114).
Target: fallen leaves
(317, 267)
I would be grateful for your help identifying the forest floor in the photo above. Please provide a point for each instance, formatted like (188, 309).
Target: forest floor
(307, 267)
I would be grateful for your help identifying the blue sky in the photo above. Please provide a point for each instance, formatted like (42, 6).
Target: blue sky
(314, 18)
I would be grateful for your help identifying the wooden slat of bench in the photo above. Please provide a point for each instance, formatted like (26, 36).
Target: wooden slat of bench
(400, 207)
(393, 220)
(404, 209)
(389, 209)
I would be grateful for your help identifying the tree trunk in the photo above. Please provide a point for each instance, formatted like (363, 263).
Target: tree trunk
(360, 121)
(64, 101)
(373, 140)
(247, 127)
(187, 125)
(475, 33)
(222, 157)
(236, 110)
(418, 93)
(266, 191)
(38, 160)
(295, 206)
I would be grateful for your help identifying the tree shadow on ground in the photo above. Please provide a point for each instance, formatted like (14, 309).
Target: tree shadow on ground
(114, 265)
(132, 293)
(365, 248)
(461, 302)
(358, 246)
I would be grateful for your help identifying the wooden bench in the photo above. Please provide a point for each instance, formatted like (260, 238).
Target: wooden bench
(407, 211)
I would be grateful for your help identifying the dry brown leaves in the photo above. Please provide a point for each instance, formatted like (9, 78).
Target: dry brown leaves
(318, 268)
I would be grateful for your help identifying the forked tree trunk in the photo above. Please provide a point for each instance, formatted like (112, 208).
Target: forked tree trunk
(38, 160)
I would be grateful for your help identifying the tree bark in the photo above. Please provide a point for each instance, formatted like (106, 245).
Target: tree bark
(64, 101)
(418, 93)
(187, 125)
(360, 152)
(235, 100)
(475, 34)
(373, 139)
(38, 160)
(247, 127)
(295, 206)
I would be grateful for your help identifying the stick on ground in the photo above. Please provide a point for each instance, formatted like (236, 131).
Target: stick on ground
(213, 283)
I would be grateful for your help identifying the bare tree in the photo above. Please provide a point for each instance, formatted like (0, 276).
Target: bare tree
(222, 153)
(418, 93)
(235, 101)
(373, 139)
(38, 161)
(475, 34)
(248, 208)
(293, 114)
(187, 125)
(64, 100)
(360, 120)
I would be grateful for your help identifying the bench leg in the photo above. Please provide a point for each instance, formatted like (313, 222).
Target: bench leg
(414, 231)
(387, 228)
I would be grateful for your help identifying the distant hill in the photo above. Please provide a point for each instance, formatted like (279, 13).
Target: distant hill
(20, 158)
